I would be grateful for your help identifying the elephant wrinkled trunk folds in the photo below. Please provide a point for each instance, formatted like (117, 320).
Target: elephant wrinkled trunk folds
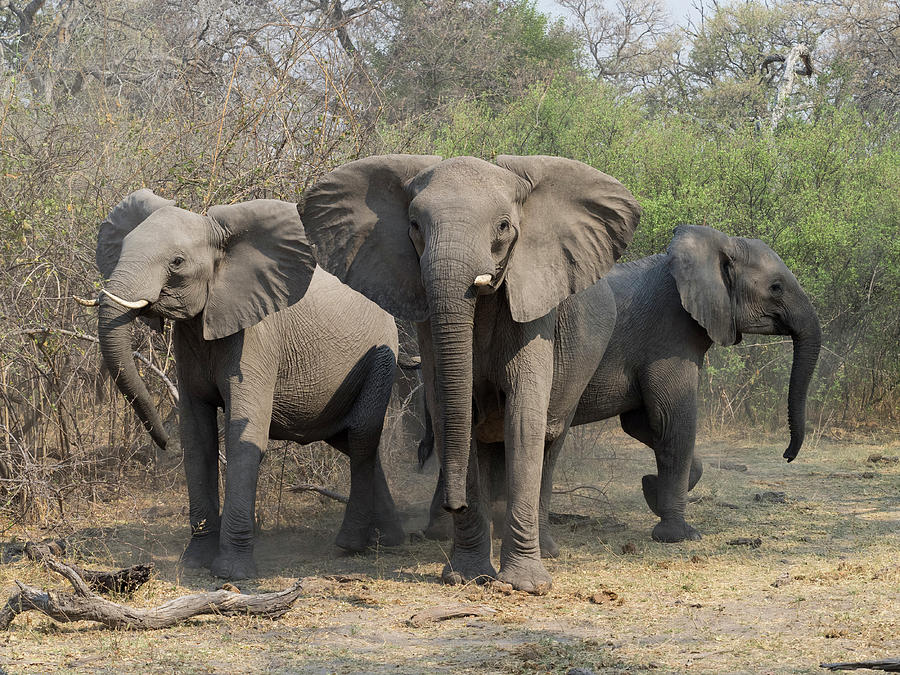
(807, 337)
(448, 285)
(114, 328)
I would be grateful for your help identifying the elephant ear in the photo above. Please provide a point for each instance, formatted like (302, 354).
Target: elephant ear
(267, 265)
(702, 263)
(358, 217)
(575, 223)
(127, 215)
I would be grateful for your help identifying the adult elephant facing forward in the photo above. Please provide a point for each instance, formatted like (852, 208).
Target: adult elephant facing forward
(482, 255)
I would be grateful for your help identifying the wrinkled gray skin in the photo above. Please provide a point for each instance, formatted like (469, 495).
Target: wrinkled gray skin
(481, 255)
(671, 308)
(282, 347)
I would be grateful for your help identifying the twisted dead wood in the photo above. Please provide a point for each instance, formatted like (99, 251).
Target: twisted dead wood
(84, 605)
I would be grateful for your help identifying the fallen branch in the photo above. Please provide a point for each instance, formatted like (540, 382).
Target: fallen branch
(84, 605)
(324, 491)
(886, 665)
(47, 330)
(126, 580)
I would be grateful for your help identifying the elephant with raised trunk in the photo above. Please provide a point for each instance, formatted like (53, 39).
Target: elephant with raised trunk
(486, 257)
(281, 346)
(708, 287)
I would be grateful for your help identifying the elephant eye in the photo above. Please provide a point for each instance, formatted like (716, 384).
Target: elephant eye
(177, 261)
(776, 288)
(503, 225)
(414, 224)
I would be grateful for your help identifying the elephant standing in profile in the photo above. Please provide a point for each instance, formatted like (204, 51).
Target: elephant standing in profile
(487, 258)
(708, 287)
(281, 346)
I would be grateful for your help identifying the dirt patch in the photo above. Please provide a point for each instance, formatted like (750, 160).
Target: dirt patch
(823, 586)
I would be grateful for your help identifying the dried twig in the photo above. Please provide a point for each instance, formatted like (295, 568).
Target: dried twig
(48, 330)
(309, 487)
(84, 605)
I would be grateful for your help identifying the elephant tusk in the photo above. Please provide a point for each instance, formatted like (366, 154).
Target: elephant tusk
(86, 303)
(137, 304)
(483, 280)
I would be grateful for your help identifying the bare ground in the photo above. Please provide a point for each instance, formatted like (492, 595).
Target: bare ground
(822, 585)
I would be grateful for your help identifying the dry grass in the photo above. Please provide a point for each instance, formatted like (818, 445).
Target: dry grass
(823, 585)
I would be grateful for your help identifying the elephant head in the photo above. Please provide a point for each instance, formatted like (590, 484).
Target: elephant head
(234, 266)
(732, 285)
(424, 237)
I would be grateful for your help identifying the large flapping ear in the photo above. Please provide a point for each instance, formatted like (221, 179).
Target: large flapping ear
(358, 217)
(267, 264)
(127, 215)
(702, 262)
(575, 223)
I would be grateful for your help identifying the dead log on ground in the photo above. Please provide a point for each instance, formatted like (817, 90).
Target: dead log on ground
(435, 614)
(126, 580)
(84, 605)
(885, 665)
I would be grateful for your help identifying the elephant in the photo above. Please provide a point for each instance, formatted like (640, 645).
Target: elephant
(486, 258)
(282, 347)
(708, 287)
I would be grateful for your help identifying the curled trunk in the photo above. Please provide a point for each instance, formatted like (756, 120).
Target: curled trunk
(114, 329)
(807, 337)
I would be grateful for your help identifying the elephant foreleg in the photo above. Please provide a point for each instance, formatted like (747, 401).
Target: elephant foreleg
(549, 548)
(246, 436)
(200, 444)
(470, 559)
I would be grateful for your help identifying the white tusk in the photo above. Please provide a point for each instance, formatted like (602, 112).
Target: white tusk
(137, 304)
(86, 303)
(483, 280)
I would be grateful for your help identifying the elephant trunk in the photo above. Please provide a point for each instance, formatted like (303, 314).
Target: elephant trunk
(806, 334)
(452, 302)
(114, 330)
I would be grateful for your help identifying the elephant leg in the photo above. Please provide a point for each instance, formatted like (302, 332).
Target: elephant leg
(200, 444)
(674, 447)
(440, 522)
(248, 417)
(526, 421)
(470, 558)
(371, 515)
(549, 548)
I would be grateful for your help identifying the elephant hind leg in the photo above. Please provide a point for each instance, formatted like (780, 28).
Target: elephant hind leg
(371, 515)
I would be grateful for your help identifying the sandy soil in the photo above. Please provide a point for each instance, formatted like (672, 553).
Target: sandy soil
(822, 585)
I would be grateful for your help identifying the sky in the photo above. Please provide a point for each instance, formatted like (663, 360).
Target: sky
(679, 10)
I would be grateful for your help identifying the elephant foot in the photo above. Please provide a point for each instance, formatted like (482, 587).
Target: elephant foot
(353, 538)
(673, 530)
(440, 528)
(233, 565)
(201, 551)
(649, 485)
(465, 568)
(526, 574)
(549, 549)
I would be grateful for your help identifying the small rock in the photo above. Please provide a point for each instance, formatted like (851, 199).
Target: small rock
(783, 580)
(628, 548)
(770, 497)
(868, 474)
(746, 541)
(230, 587)
(878, 458)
